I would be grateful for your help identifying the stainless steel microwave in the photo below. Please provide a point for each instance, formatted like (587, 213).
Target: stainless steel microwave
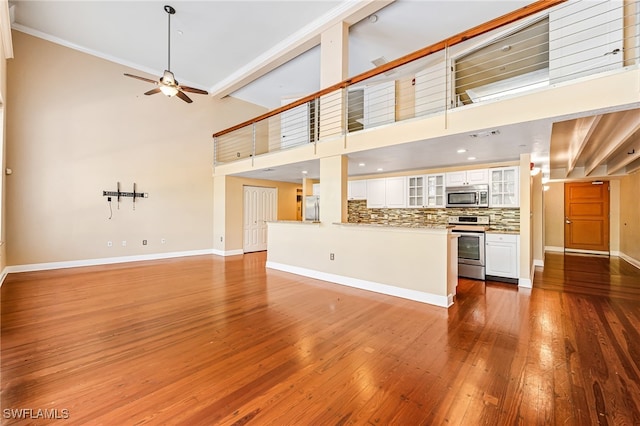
(468, 196)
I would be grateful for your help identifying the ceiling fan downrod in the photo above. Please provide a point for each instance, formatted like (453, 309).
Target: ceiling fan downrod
(170, 11)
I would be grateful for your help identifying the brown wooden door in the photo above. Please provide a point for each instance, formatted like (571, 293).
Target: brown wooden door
(586, 209)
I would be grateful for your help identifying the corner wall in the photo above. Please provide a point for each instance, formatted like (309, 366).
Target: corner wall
(629, 218)
(86, 127)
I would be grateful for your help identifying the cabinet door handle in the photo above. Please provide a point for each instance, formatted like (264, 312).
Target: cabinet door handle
(567, 221)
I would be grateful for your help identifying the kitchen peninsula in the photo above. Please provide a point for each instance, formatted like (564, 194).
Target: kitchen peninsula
(417, 263)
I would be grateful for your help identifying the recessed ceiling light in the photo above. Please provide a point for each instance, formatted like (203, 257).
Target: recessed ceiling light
(361, 164)
(461, 151)
(304, 172)
(471, 158)
(380, 169)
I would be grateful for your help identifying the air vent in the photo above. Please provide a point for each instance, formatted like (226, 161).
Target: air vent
(485, 134)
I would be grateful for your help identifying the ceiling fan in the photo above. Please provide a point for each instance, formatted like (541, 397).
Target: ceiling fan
(168, 84)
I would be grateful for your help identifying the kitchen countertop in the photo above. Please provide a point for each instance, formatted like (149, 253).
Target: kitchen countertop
(381, 225)
(503, 231)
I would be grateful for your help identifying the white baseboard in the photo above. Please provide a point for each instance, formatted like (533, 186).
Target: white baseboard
(525, 283)
(103, 261)
(554, 249)
(631, 260)
(227, 252)
(418, 296)
(538, 262)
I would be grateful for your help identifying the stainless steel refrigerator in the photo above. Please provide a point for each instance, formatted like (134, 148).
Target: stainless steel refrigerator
(312, 208)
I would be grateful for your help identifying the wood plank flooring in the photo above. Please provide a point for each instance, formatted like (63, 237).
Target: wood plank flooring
(209, 340)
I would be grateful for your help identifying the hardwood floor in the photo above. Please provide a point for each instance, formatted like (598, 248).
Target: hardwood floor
(209, 340)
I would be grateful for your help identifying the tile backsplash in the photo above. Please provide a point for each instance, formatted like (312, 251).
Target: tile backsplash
(500, 218)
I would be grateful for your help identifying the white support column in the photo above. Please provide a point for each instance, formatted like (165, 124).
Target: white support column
(334, 67)
(333, 189)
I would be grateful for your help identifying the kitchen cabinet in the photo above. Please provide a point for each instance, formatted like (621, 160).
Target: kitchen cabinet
(357, 190)
(504, 187)
(501, 255)
(435, 191)
(467, 177)
(416, 191)
(387, 192)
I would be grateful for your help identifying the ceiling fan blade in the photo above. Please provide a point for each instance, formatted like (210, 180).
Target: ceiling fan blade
(194, 90)
(184, 97)
(148, 80)
(153, 91)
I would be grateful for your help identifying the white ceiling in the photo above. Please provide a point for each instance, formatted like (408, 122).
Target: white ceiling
(214, 42)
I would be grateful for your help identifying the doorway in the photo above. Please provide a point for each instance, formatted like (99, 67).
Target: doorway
(586, 220)
(260, 206)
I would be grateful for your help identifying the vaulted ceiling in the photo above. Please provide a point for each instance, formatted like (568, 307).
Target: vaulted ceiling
(264, 51)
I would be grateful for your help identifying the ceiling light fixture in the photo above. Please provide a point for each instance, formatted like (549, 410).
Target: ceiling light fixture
(361, 164)
(380, 169)
(167, 84)
(461, 151)
(373, 18)
(304, 172)
(471, 158)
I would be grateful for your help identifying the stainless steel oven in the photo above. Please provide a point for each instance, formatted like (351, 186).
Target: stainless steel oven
(471, 244)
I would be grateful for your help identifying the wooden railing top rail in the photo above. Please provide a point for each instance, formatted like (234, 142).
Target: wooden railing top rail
(496, 23)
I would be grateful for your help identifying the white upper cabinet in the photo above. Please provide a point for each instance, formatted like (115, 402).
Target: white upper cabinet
(387, 192)
(467, 177)
(395, 192)
(504, 187)
(357, 190)
(416, 191)
(435, 191)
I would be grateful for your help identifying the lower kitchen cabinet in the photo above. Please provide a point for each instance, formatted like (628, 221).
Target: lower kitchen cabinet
(501, 255)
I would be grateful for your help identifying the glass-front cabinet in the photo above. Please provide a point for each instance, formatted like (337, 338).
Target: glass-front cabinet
(415, 186)
(504, 187)
(435, 190)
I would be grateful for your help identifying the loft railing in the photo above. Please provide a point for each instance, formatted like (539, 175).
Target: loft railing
(545, 43)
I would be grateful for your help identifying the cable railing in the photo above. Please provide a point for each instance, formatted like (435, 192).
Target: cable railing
(546, 43)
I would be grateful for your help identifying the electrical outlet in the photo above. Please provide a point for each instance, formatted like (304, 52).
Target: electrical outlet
(162, 241)
(332, 256)
(109, 243)
(144, 242)
(124, 243)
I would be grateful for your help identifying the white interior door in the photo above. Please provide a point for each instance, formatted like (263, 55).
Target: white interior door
(260, 207)
(585, 37)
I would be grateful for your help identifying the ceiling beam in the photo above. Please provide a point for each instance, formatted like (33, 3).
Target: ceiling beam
(627, 156)
(584, 128)
(626, 125)
(633, 167)
(305, 39)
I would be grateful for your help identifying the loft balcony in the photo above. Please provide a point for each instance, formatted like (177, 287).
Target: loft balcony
(517, 55)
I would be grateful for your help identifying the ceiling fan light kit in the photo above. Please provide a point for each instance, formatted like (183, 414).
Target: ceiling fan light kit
(167, 84)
